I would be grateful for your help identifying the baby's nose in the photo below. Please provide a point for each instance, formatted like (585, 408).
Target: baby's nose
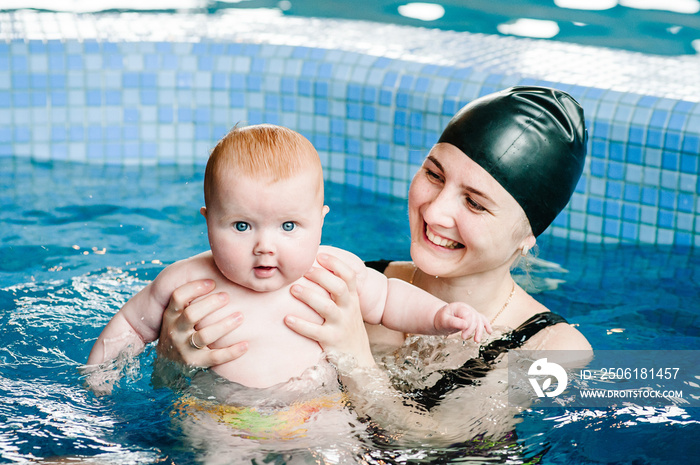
(265, 245)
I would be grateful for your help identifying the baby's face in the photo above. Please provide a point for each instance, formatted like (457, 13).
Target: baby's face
(265, 235)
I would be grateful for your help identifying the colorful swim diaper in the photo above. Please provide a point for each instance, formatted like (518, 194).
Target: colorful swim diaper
(264, 423)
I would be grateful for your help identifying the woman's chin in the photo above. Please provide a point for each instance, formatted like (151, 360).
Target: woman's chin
(430, 259)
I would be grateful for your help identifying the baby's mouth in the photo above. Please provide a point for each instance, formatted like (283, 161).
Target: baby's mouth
(441, 241)
(265, 271)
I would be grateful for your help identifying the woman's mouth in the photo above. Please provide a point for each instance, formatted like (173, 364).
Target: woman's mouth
(441, 241)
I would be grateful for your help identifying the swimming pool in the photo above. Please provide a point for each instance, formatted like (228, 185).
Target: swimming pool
(72, 255)
(105, 122)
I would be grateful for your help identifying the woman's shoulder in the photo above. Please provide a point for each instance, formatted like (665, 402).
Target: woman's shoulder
(400, 270)
(548, 331)
(561, 336)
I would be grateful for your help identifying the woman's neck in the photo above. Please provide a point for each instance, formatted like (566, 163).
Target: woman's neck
(486, 292)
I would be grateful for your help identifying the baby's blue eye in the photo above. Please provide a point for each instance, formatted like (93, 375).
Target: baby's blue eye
(288, 225)
(241, 226)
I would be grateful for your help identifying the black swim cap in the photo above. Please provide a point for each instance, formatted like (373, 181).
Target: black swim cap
(532, 140)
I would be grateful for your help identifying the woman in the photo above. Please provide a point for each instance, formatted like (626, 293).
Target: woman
(503, 169)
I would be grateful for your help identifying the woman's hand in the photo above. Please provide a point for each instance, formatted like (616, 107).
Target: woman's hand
(343, 331)
(178, 332)
(343, 336)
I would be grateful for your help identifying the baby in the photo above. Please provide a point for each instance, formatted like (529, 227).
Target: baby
(263, 191)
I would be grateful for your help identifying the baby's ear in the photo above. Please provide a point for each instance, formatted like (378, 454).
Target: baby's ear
(203, 211)
(326, 209)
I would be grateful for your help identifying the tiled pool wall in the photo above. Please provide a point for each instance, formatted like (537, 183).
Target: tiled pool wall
(372, 118)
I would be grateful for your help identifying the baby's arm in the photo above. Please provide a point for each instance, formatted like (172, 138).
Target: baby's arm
(401, 306)
(138, 321)
(413, 310)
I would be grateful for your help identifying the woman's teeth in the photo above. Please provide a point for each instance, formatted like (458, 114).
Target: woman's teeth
(441, 241)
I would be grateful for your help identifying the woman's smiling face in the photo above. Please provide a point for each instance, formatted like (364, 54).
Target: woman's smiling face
(463, 222)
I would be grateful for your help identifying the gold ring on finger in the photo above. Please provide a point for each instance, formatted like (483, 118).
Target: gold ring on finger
(194, 344)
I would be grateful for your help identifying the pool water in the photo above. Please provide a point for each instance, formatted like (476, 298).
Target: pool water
(663, 28)
(79, 240)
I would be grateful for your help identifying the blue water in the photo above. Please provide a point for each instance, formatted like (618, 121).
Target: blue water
(619, 26)
(79, 240)
(667, 28)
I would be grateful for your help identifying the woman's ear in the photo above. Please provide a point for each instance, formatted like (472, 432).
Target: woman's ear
(527, 244)
(203, 211)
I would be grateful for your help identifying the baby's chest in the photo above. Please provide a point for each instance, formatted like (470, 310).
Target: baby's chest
(263, 312)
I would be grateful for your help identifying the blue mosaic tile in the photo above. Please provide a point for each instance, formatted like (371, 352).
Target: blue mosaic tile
(691, 144)
(614, 190)
(595, 206)
(372, 117)
(670, 161)
(631, 212)
(634, 155)
(683, 239)
(684, 222)
(686, 203)
(649, 196)
(667, 219)
(630, 231)
(611, 228)
(654, 138)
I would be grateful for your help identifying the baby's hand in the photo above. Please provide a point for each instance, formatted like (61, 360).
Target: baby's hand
(459, 316)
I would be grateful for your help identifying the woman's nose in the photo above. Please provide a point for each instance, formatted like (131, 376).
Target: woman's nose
(440, 210)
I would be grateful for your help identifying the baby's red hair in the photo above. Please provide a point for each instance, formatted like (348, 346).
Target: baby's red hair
(263, 151)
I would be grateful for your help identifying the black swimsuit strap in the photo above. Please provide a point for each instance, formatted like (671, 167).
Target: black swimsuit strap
(479, 367)
(519, 335)
(379, 265)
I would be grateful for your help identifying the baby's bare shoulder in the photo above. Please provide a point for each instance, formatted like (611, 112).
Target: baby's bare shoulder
(200, 266)
(347, 257)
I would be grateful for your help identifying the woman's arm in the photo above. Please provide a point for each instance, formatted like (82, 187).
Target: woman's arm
(343, 337)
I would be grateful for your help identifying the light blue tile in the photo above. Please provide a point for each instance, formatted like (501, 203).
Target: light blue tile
(652, 158)
(594, 225)
(688, 182)
(399, 188)
(648, 215)
(149, 114)
(185, 131)
(684, 221)
(353, 129)
(669, 179)
(665, 237)
(641, 116)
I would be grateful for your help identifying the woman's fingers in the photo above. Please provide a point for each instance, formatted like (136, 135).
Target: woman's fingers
(191, 347)
(203, 356)
(337, 278)
(228, 354)
(305, 328)
(212, 333)
(197, 311)
(316, 299)
(340, 269)
(211, 357)
(180, 338)
(185, 294)
(343, 330)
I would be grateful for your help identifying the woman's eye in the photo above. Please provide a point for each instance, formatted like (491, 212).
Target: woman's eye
(473, 205)
(432, 175)
(241, 226)
(288, 225)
